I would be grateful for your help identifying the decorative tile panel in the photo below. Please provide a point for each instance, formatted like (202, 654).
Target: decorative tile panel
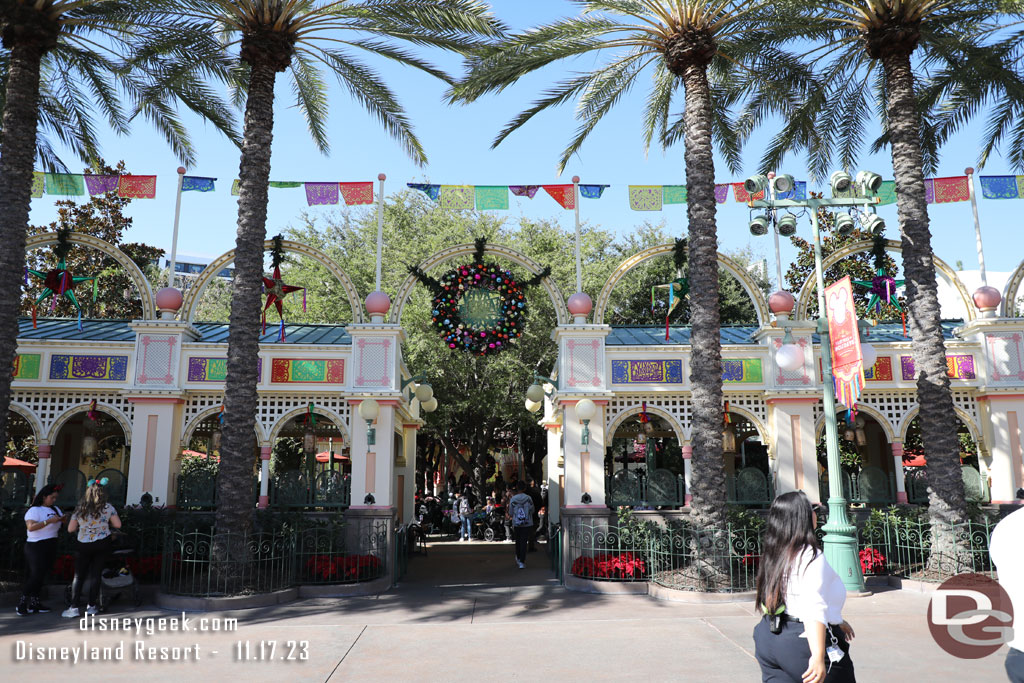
(156, 359)
(1004, 357)
(584, 367)
(207, 369)
(26, 365)
(647, 372)
(89, 368)
(373, 362)
(881, 371)
(959, 366)
(742, 371)
(300, 370)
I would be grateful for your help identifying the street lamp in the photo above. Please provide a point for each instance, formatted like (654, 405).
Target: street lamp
(840, 541)
(789, 356)
(585, 411)
(369, 410)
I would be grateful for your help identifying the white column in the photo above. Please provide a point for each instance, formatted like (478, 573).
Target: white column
(688, 471)
(796, 458)
(584, 465)
(265, 452)
(554, 471)
(43, 466)
(897, 468)
(1003, 432)
(155, 437)
(408, 471)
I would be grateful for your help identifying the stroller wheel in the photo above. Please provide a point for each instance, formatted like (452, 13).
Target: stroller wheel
(489, 534)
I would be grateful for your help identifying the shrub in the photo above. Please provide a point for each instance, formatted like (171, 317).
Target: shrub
(624, 566)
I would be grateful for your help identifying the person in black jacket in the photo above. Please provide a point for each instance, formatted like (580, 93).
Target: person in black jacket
(534, 493)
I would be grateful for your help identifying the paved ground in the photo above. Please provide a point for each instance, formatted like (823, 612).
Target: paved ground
(465, 613)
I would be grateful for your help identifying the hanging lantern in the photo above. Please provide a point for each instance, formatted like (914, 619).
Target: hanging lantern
(309, 441)
(859, 433)
(641, 438)
(90, 447)
(648, 428)
(215, 441)
(848, 432)
(729, 439)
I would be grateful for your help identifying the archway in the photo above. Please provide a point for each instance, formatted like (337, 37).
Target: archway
(445, 255)
(865, 455)
(805, 299)
(974, 469)
(644, 464)
(1009, 305)
(137, 276)
(194, 293)
(88, 447)
(310, 465)
(199, 461)
(19, 462)
(748, 469)
(726, 263)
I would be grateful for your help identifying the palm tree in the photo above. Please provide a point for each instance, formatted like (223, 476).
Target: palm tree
(869, 51)
(696, 44)
(303, 37)
(65, 62)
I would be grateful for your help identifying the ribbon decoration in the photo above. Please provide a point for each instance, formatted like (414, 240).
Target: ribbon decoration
(102, 482)
(680, 284)
(726, 418)
(220, 416)
(91, 414)
(309, 419)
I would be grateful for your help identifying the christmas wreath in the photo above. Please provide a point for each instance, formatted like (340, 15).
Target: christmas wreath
(478, 307)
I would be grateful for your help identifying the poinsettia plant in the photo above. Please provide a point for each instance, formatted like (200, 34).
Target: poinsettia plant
(872, 561)
(623, 566)
(343, 567)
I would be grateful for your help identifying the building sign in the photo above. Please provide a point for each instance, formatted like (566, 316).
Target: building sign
(647, 372)
(844, 340)
(300, 370)
(26, 366)
(957, 367)
(215, 369)
(89, 368)
(480, 309)
(742, 370)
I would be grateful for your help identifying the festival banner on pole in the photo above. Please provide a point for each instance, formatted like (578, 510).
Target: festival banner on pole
(645, 197)
(563, 194)
(357, 193)
(136, 186)
(844, 339)
(191, 183)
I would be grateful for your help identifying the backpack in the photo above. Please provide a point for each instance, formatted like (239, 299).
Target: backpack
(521, 515)
(464, 506)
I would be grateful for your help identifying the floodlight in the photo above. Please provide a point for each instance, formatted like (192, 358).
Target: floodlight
(783, 183)
(876, 224)
(755, 184)
(844, 224)
(869, 182)
(840, 181)
(787, 225)
(759, 226)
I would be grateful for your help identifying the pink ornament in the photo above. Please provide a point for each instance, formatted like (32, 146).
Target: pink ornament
(781, 302)
(985, 298)
(377, 303)
(169, 299)
(580, 304)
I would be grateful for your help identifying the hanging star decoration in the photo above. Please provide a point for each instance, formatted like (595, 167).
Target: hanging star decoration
(883, 286)
(679, 288)
(60, 281)
(275, 288)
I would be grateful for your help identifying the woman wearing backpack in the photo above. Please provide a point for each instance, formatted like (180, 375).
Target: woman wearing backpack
(466, 515)
(521, 512)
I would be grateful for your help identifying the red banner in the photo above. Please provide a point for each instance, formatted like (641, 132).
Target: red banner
(137, 186)
(563, 194)
(844, 338)
(357, 193)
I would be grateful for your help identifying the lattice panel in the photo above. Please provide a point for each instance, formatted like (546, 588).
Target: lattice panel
(272, 408)
(894, 405)
(752, 403)
(966, 402)
(156, 359)
(48, 406)
(196, 404)
(676, 406)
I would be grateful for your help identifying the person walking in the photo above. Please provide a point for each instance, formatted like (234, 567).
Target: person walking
(1008, 556)
(534, 493)
(42, 521)
(93, 519)
(466, 517)
(507, 516)
(802, 637)
(521, 512)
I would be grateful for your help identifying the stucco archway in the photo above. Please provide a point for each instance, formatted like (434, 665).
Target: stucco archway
(137, 276)
(445, 255)
(963, 416)
(121, 418)
(804, 299)
(38, 432)
(334, 418)
(195, 292)
(887, 428)
(641, 257)
(615, 422)
(194, 423)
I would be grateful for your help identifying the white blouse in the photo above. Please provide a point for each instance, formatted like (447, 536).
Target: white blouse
(814, 591)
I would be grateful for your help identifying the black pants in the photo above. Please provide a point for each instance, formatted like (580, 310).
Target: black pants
(39, 557)
(522, 535)
(89, 562)
(1015, 666)
(783, 657)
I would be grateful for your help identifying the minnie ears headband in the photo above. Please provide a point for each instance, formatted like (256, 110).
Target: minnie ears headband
(102, 482)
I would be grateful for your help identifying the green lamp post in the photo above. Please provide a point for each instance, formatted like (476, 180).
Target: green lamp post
(840, 542)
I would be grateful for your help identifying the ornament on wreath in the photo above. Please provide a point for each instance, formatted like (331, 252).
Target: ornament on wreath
(275, 288)
(59, 281)
(478, 307)
(680, 287)
(882, 287)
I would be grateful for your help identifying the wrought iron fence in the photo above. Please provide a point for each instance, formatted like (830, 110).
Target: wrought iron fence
(706, 560)
(331, 490)
(906, 548)
(873, 485)
(16, 489)
(606, 552)
(401, 554)
(554, 549)
(749, 486)
(212, 563)
(337, 553)
(661, 487)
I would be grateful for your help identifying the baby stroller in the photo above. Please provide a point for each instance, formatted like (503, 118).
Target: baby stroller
(116, 581)
(492, 526)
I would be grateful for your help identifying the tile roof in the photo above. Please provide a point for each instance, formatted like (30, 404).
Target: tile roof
(652, 335)
(210, 333)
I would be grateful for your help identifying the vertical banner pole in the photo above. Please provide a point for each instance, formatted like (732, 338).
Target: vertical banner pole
(775, 234)
(977, 225)
(579, 261)
(174, 235)
(380, 227)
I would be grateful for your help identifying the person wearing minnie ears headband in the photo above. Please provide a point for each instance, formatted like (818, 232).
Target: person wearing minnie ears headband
(1006, 548)
(42, 520)
(802, 637)
(93, 519)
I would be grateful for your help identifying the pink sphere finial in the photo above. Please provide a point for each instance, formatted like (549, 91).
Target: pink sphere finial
(781, 302)
(181, 170)
(381, 176)
(377, 303)
(987, 298)
(771, 174)
(580, 304)
(169, 299)
(575, 178)
(969, 170)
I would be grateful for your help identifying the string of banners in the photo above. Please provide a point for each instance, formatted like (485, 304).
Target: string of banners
(496, 197)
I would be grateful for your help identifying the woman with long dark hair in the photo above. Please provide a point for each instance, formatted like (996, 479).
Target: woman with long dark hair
(42, 522)
(93, 519)
(802, 637)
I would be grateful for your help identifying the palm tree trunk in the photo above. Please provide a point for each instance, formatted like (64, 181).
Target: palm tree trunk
(705, 342)
(17, 156)
(234, 481)
(938, 420)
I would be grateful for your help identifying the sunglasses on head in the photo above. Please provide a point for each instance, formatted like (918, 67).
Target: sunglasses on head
(102, 482)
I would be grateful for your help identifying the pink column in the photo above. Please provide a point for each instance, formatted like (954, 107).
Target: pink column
(687, 454)
(897, 459)
(264, 476)
(43, 468)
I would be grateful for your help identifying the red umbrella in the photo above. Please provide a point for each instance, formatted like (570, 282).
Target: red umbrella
(198, 454)
(326, 457)
(18, 465)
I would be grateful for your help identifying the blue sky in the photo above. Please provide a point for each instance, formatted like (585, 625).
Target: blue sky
(457, 141)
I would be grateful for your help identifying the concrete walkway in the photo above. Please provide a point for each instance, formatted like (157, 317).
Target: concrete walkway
(466, 613)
